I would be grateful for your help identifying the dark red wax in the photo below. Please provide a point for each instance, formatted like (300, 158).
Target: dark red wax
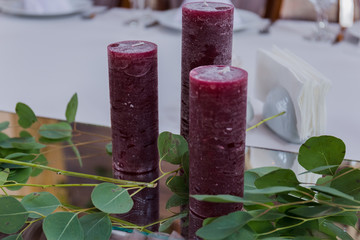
(206, 40)
(133, 82)
(218, 98)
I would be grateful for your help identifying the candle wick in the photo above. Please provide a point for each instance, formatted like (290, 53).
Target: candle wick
(225, 70)
(138, 44)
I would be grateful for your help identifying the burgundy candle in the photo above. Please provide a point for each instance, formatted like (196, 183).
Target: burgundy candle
(206, 40)
(218, 96)
(134, 105)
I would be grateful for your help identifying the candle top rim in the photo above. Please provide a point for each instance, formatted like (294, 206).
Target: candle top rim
(209, 7)
(218, 74)
(132, 47)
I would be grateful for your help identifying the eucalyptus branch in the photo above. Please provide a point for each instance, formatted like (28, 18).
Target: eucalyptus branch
(59, 185)
(80, 175)
(281, 228)
(265, 120)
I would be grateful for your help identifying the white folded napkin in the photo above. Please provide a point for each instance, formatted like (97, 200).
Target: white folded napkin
(280, 72)
(47, 6)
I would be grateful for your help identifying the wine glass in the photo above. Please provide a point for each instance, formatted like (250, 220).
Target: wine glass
(322, 32)
(142, 13)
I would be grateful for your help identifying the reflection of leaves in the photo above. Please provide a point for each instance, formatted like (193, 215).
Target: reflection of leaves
(322, 151)
(26, 115)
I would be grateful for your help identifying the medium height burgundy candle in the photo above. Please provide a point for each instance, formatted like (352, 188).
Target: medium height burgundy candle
(207, 30)
(133, 83)
(217, 136)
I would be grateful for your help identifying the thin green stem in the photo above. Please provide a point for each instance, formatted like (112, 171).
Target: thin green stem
(58, 185)
(165, 174)
(2, 188)
(80, 175)
(265, 120)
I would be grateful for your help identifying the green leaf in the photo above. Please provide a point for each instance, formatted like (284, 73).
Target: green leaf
(25, 134)
(266, 214)
(272, 190)
(43, 203)
(4, 174)
(71, 108)
(57, 131)
(166, 224)
(109, 148)
(346, 218)
(3, 136)
(13, 237)
(261, 226)
(12, 215)
(332, 192)
(177, 184)
(41, 160)
(220, 198)
(322, 151)
(243, 233)
(319, 169)
(111, 198)
(328, 226)
(26, 115)
(249, 180)
(4, 125)
(62, 226)
(175, 201)
(324, 181)
(172, 147)
(224, 226)
(315, 211)
(262, 170)
(347, 181)
(20, 175)
(280, 177)
(27, 143)
(96, 226)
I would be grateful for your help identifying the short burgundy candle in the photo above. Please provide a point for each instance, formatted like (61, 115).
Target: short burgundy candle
(134, 105)
(207, 31)
(218, 96)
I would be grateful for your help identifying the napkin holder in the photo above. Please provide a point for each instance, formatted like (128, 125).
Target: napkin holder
(284, 82)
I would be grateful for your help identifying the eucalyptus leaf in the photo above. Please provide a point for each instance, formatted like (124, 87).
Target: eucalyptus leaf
(272, 190)
(26, 115)
(27, 143)
(62, 226)
(280, 177)
(96, 226)
(109, 148)
(266, 214)
(177, 184)
(4, 125)
(243, 233)
(346, 218)
(347, 181)
(172, 147)
(224, 226)
(175, 201)
(322, 151)
(41, 160)
(328, 226)
(12, 215)
(220, 198)
(57, 131)
(20, 175)
(43, 203)
(166, 224)
(3, 136)
(111, 198)
(13, 237)
(319, 169)
(332, 192)
(249, 180)
(262, 170)
(4, 174)
(324, 181)
(25, 134)
(314, 211)
(261, 226)
(24, 157)
(72, 108)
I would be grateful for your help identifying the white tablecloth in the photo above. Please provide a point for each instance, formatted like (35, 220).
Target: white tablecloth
(44, 61)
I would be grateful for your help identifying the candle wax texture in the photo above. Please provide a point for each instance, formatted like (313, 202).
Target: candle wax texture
(206, 40)
(133, 82)
(218, 97)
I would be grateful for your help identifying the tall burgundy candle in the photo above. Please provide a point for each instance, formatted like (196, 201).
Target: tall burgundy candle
(134, 105)
(206, 40)
(217, 136)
